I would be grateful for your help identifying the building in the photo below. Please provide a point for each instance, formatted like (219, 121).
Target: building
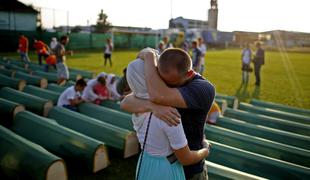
(184, 24)
(16, 16)
(212, 15)
(286, 39)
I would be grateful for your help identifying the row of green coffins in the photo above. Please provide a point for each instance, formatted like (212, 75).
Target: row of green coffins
(288, 161)
(274, 113)
(74, 73)
(23, 159)
(267, 121)
(266, 147)
(66, 143)
(280, 107)
(30, 79)
(89, 126)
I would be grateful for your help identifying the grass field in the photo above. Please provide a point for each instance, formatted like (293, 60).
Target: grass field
(285, 76)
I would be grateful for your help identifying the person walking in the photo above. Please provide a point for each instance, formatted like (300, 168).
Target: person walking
(23, 49)
(259, 60)
(108, 52)
(42, 50)
(60, 53)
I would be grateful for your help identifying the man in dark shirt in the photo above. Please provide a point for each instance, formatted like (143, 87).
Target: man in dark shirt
(196, 56)
(175, 84)
(259, 60)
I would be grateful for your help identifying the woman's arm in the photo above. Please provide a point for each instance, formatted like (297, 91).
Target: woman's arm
(188, 157)
(168, 114)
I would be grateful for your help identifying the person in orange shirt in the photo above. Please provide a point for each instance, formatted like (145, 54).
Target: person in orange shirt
(42, 50)
(23, 49)
(214, 112)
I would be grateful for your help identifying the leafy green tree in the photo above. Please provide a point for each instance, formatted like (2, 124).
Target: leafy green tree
(103, 25)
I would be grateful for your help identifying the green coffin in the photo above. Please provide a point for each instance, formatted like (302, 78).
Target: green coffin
(69, 83)
(15, 83)
(255, 164)
(7, 72)
(267, 121)
(32, 103)
(107, 115)
(43, 93)
(112, 105)
(111, 135)
(23, 159)
(51, 77)
(216, 171)
(280, 107)
(84, 74)
(17, 68)
(32, 79)
(258, 145)
(8, 110)
(66, 143)
(16, 62)
(275, 113)
(232, 101)
(55, 87)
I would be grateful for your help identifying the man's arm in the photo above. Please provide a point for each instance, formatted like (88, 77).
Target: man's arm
(168, 114)
(158, 91)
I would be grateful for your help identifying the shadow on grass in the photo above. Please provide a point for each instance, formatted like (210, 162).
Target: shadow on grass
(119, 168)
(243, 94)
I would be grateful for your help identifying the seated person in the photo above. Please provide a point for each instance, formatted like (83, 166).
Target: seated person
(89, 95)
(118, 87)
(214, 112)
(71, 97)
(102, 91)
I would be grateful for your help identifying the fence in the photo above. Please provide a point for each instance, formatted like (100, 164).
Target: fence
(9, 39)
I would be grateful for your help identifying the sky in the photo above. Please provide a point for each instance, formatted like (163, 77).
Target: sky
(234, 15)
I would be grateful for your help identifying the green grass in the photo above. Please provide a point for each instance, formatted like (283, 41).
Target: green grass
(285, 76)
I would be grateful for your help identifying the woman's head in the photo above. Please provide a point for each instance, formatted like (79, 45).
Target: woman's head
(136, 78)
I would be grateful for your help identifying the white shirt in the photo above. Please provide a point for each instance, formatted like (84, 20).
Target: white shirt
(88, 94)
(246, 56)
(68, 94)
(107, 49)
(161, 139)
(53, 44)
(203, 50)
(112, 86)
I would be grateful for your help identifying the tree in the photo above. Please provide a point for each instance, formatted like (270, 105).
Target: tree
(103, 25)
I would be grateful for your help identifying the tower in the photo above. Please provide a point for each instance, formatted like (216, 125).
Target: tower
(212, 15)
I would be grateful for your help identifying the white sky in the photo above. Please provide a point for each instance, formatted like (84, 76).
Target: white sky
(245, 15)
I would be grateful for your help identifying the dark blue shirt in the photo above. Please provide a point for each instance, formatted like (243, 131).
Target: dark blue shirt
(198, 95)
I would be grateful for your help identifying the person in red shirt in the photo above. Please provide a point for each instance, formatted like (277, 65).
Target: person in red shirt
(42, 50)
(102, 91)
(23, 49)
